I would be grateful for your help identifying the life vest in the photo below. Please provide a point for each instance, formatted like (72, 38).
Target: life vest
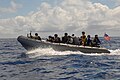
(84, 40)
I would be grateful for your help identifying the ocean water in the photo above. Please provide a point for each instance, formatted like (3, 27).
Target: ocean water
(46, 64)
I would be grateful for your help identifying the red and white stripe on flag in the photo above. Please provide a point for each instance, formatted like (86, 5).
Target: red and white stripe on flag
(106, 37)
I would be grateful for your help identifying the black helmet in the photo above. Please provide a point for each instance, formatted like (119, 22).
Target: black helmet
(55, 35)
(88, 36)
(96, 35)
(83, 32)
(72, 34)
(36, 34)
(66, 34)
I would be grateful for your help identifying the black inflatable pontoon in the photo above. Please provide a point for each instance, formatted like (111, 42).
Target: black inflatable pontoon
(30, 44)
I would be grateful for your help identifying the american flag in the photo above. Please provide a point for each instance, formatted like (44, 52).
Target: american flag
(106, 37)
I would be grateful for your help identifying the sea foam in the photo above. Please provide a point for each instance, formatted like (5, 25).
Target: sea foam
(50, 52)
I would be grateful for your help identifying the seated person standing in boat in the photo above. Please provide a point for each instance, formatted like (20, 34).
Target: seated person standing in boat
(96, 42)
(89, 41)
(35, 37)
(70, 40)
(74, 39)
(83, 38)
(65, 38)
(56, 38)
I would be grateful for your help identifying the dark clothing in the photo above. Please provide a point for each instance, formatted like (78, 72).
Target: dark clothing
(96, 42)
(37, 38)
(89, 42)
(50, 39)
(65, 39)
(57, 40)
(34, 37)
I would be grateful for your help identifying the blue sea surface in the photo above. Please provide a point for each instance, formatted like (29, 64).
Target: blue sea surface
(46, 64)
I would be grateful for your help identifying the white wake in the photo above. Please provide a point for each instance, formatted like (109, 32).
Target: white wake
(50, 52)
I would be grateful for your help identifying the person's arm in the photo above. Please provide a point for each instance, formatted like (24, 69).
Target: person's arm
(31, 35)
(39, 38)
(98, 41)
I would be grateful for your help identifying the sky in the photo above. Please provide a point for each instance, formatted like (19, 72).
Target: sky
(47, 17)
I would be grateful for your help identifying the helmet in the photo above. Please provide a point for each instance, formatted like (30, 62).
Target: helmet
(55, 35)
(36, 34)
(66, 34)
(83, 32)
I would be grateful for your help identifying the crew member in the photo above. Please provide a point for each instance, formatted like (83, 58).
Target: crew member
(35, 37)
(89, 40)
(96, 42)
(83, 38)
(56, 38)
(65, 38)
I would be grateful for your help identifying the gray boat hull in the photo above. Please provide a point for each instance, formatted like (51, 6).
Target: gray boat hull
(30, 44)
